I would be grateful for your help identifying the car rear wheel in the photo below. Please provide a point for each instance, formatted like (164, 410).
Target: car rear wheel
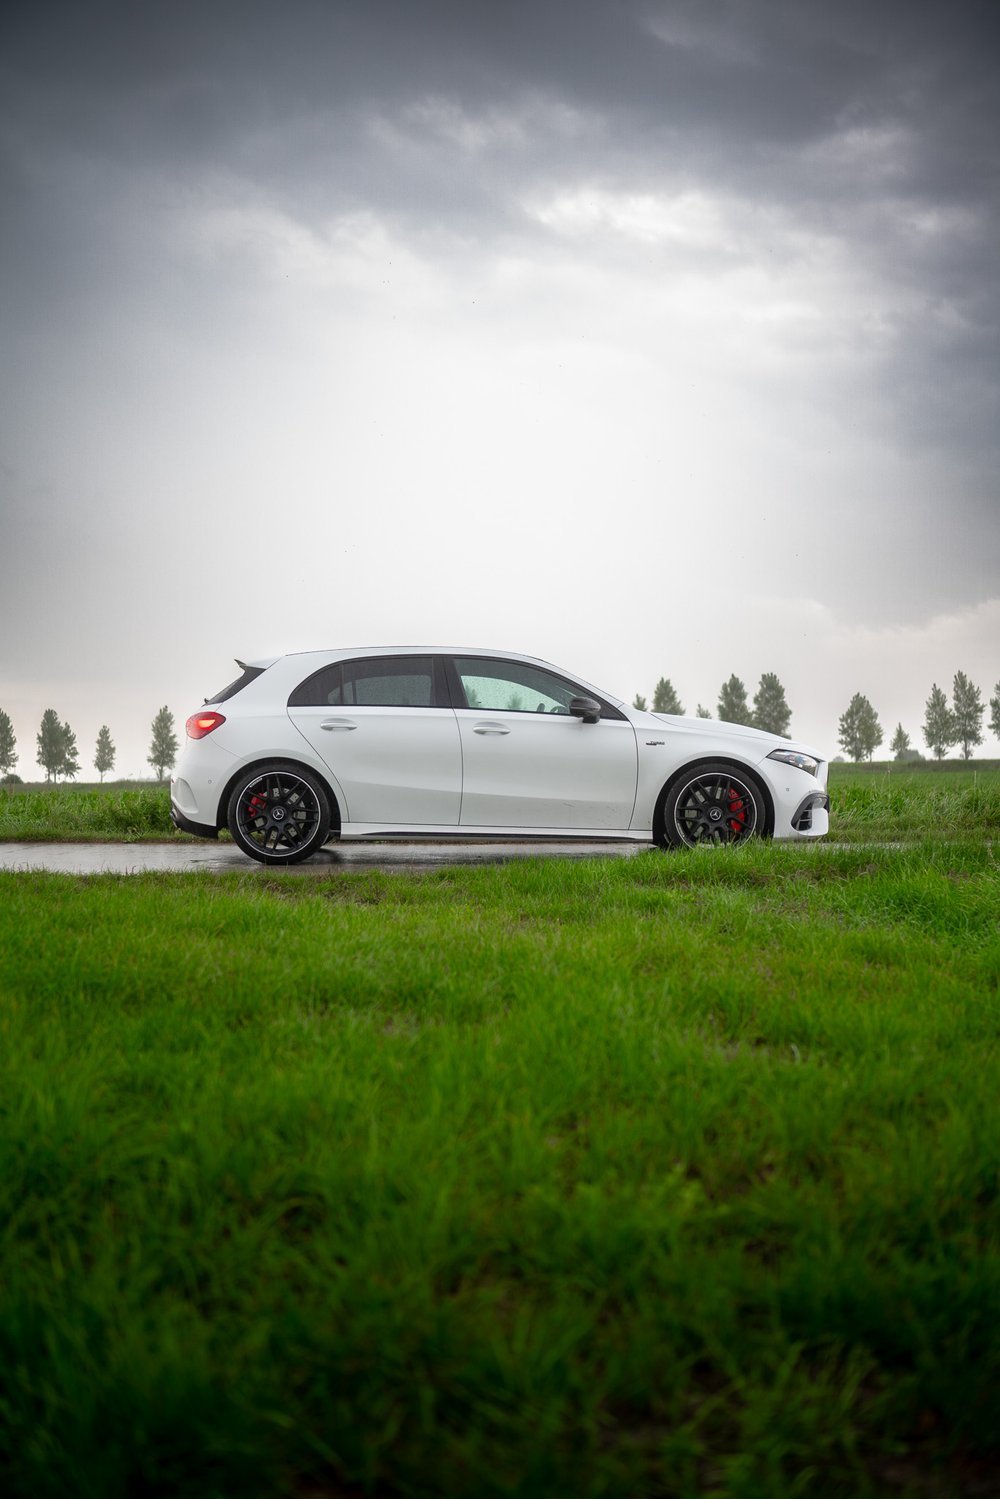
(712, 804)
(279, 814)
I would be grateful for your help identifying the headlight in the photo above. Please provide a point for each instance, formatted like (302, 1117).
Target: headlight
(796, 758)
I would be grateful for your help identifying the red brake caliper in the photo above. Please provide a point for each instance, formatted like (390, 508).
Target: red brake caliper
(737, 812)
(257, 804)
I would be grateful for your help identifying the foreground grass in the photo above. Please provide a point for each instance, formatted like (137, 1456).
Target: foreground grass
(870, 803)
(673, 1176)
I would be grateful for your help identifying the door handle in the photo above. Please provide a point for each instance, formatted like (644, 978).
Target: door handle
(490, 728)
(337, 723)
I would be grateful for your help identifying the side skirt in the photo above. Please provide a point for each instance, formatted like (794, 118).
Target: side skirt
(452, 832)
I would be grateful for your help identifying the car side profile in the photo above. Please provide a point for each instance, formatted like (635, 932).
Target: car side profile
(425, 742)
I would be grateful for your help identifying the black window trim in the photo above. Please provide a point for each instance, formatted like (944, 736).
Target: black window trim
(459, 700)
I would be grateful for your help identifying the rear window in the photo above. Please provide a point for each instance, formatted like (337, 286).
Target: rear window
(379, 682)
(247, 675)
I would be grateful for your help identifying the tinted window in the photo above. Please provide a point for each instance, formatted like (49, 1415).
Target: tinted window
(380, 682)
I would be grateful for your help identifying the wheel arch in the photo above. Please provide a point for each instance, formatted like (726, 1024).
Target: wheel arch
(277, 762)
(727, 760)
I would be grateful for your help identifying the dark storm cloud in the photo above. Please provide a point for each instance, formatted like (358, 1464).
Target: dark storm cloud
(740, 86)
(873, 123)
(736, 94)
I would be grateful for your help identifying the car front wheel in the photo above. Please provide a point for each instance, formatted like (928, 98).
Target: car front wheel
(279, 814)
(712, 804)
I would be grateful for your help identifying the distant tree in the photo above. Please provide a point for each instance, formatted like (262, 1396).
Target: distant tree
(639, 702)
(701, 712)
(163, 748)
(900, 743)
(104, 753)
(734, 706)
(860, 731)
(8, 744)
(770, 710)
(939, 723)
(70, 754)
(50, 744)
(665, 699)
(967, 713)
(995, 712)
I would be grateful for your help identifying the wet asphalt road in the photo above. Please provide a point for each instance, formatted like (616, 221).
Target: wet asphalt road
(221, 858)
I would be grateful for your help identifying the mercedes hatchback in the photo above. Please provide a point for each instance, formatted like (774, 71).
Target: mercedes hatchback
(427, 742)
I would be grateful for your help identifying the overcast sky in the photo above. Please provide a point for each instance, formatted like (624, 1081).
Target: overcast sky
(654, 337)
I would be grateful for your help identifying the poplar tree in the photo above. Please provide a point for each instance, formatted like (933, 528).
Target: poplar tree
(104, 753)
(50, 744)
(995, 712)
(163, 749)
(770, 710)
(639, 702)
(860, 731)
(665, 699)
(734, 706)
(701, 712)
(967, 712)
(8, 744)
(70, 765)
(900, 743)
(939, 723)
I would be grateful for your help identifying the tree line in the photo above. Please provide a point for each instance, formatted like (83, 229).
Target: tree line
(58, 753)
(945, 724)
(769, 710)
(859, 730)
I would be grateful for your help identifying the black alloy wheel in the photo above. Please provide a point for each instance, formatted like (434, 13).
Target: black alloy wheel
(713, 804)
(279, 814)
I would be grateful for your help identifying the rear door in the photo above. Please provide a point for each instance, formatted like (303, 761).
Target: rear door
(385, 728)
(528, 763)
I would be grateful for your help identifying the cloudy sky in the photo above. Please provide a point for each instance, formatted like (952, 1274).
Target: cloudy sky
(654, 337)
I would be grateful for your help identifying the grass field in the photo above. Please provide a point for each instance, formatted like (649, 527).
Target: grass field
(880, 802)
(668, 1176)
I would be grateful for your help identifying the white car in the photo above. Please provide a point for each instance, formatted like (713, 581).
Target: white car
(430, 742)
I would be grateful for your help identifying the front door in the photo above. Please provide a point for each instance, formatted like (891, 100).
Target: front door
(528, 763)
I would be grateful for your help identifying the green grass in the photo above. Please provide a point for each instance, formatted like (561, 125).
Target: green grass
(125, 812)
(669, 1176)
(887, 802)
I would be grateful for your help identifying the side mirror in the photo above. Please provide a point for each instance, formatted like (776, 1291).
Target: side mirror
(585, 708)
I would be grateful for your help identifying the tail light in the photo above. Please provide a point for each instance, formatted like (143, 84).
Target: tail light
(200, 724)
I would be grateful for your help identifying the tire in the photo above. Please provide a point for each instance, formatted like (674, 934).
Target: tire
(712, 805)
(279, 814)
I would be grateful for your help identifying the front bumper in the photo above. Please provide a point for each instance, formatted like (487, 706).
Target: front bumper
(811, 818)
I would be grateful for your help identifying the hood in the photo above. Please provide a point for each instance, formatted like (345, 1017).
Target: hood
(718, 727)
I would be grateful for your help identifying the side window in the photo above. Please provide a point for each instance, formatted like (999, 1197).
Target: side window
(513, 687)
(390, 682)
(378, 682)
